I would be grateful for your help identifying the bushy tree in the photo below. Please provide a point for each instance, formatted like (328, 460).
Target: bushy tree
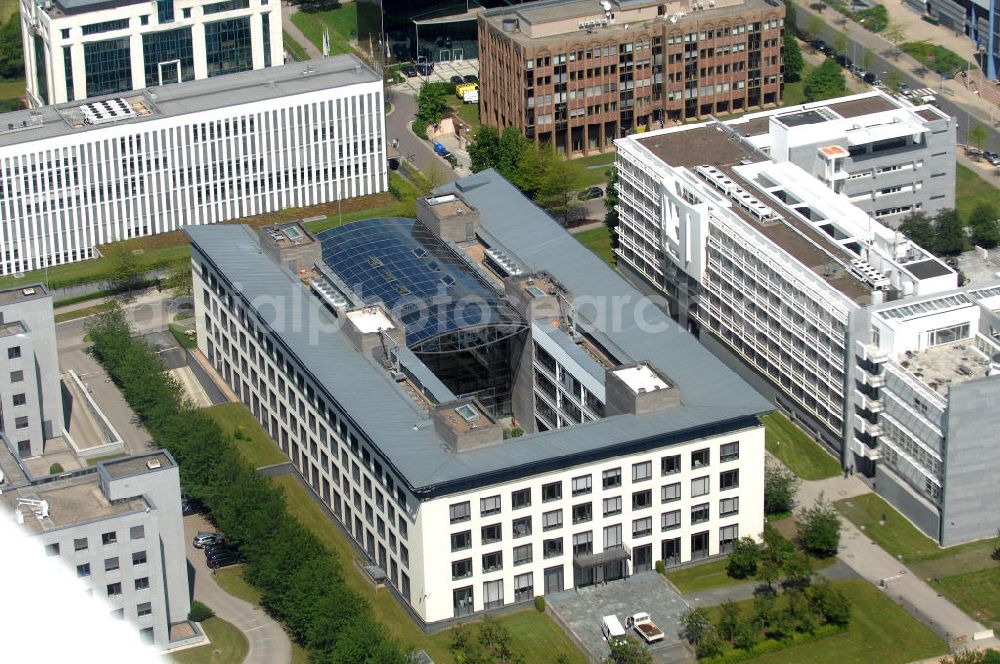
(819, 528)
(791, 56)
(780, 486)
(990, 656)
(629, 651)
(984, 226)
(513, 149)
(742, 562)
(611, 205)
(179, 279)
(776, 552)
(747, 635)
(830, 603)
(825, 81)
(558, 186)
(765, 610)
(949, 233)
(127, 272)
(798, 571)
(696, 625)
(11, 49)
(432, 102)
(978, 135)
(484, 150)
(730, 617)
(918, 227)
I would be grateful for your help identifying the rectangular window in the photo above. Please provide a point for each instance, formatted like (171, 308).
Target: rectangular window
(492, 562)
(524, 587)
(670, 520)
(83, 570)
(522, 527)
(612, 506)
(642, 471)
(670, 493)
(80, 544)
(13, 352)
(109, 538)
(144, 609)
(700, 458)
(20, 399)
(16, 376)
(612, 478)
(461, 569)
(142, 583)
(460, 512)
(226, 6)
(462, 540)
(670, 464)
(493, 594)
(21, 422)
(583, 512)
(727, 536)
(583, 544)
(552, 547)
(582, 485)
(729, 452)
(552, 520)
(729, 506)
(106, 26)
(699, 486)
(110, 564)
(522, 554)
(520, 498)
(137, 532)
(491, 533)
(489, 506)
(139, 558)
(642, 527)
(551, 492)
(642, 499)
(612, 536)
(114, 589)
(52, 549)
(729, 480)
(699, 513)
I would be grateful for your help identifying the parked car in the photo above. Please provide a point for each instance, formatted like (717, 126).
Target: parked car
(612, 629)
(425, 68)
(232, 559)
(844, 61)
(457, 80)
(592, 192)
(221, 553)
(993, 158)
(409, 71)
(870, 78)
(820, 46)
(203, 539)
(470, 78)
(904, 89)
(645, 627)
(214, 549)
(189, 506)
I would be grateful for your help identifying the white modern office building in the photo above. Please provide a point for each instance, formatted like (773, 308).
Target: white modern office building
(119, 526)
(887, 156)
(928, 385)
(31, 400)
(398, 362)
(77, 49)
(74, 176)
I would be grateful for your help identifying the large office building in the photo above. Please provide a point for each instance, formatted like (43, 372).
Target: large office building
(76, 49)
(31, 402)
(765, 251)
(74, 176)
(488, 410)
(119, 526)
(580, 74)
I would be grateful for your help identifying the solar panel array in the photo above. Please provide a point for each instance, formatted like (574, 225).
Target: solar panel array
(107, 110)
(412, 272)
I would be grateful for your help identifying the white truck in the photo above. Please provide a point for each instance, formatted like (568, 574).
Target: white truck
(613, 631)
(645, 627)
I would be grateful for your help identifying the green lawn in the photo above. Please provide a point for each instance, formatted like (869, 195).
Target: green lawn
(971, 190)
(394, 210)
(598, 240)
(11, 89)
(795, 93)
(879, 632)
(538, 638)
(596, 166)
(293, 47)
(256, 446)
(7, 8)
(180, 333)
(231, 580)
(84, 312)
(897, 536)
(467, 113)
(227, 641)
(797, 450)
(341, 21)
(713, 575)
(976, 593)
(97, 269)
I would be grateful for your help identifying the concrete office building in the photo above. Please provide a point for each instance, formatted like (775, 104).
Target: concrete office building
(767, 260)
(387, 358)
(928, 383)
(76, 49)
(578, 76)
(31, 406)
(119, 526)
(886, 155)
(74, 176)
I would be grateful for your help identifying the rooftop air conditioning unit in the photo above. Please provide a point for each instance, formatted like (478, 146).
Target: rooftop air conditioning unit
(153, 464)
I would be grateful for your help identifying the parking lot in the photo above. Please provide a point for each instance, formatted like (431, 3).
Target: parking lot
(581, 610)
(443, 71)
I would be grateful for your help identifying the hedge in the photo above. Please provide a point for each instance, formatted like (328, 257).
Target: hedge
(301, 581)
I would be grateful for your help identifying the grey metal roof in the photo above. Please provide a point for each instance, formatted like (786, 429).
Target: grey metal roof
(194, 96)
(714, 399)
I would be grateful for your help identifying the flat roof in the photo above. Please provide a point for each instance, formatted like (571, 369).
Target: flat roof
(22, 293)
(716, 399)
(698, 145)
(135, 465)
(800, 118)
(180, 99)
(861, 105)
(641, 377)
(927, 269)
(370, 319)
(73, 501)
(940, 367)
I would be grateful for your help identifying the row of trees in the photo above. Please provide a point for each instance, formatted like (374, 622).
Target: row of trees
(946, 235)
(301, 582)
(770, 616)
(550, 179)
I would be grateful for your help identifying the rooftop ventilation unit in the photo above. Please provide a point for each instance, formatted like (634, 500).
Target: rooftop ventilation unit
(737, 194)
(153, 464)
(28, 291)
(868, 274)
(106, 111)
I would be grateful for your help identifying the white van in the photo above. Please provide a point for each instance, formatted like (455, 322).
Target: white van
(613, 631)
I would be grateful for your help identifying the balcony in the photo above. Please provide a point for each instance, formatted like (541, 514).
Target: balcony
(875, 354)
(873, 430)
(862, 450)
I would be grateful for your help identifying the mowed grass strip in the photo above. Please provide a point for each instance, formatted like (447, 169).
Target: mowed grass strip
(255, 445)
(799, 452)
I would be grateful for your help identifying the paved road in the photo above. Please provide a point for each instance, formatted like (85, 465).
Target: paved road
(269, 644)
(404, 109)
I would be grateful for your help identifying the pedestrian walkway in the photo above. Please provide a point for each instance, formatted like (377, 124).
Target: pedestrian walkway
(287, 9)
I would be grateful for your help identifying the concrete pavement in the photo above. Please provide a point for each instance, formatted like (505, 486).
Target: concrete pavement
(269, 643)
(416, 151)
(287, 9)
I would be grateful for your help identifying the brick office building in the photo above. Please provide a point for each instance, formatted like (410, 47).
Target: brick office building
(580, 73)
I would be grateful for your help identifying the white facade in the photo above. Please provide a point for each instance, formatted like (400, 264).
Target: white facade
(67, 44)
(196, 153)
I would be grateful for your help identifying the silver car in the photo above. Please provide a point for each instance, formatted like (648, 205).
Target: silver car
(201, 540)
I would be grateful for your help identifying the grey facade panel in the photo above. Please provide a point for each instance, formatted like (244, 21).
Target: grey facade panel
(901, 496)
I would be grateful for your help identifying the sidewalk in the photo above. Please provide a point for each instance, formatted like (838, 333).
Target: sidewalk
(286, 24)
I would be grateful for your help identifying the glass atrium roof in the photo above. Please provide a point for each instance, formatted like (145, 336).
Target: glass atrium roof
(432, 289)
